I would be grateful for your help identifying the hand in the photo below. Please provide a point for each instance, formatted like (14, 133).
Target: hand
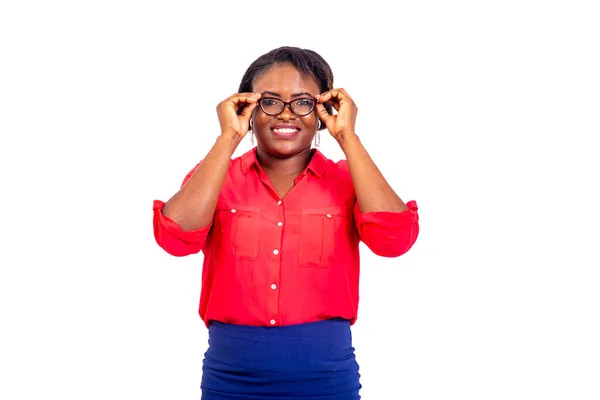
(227, 110)
(345, 119)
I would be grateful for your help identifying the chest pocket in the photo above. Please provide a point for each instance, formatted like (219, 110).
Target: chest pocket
(318, 230)
(241, 231)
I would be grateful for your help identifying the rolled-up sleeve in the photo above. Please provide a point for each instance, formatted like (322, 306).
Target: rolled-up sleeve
(388, 234)
(172, 238)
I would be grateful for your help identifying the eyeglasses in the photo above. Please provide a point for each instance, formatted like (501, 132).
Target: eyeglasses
(300, 107)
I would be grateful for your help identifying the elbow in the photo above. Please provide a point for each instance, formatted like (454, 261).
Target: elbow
(389, 234)
(390, 248)
(176, 246)
(179, 251)
(174, 240)
(392, 245)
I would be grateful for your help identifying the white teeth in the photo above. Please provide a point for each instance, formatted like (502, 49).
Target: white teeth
(285, 130)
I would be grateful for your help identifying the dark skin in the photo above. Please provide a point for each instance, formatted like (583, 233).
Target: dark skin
(283, 159)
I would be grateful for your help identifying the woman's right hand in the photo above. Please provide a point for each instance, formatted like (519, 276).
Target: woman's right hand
(227, 110)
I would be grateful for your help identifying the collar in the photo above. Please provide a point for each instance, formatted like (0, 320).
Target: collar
(317, 164)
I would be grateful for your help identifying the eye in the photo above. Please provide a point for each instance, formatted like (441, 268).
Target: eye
(304, 102)
(270, 102)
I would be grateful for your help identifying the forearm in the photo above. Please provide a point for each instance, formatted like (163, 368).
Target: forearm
(373, 192)
(193, 206)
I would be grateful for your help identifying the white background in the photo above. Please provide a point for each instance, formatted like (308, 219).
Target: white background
(486, 113)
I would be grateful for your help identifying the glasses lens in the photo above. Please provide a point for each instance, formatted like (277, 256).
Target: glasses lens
(271, 106)
(303, 106)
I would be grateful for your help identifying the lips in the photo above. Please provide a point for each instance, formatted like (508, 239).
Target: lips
(285, 131)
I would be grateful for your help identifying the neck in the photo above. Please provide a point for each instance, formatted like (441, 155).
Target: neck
(285, 166)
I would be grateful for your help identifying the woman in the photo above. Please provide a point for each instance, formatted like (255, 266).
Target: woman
(280, 228)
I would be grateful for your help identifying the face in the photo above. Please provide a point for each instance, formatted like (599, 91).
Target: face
(285, 134)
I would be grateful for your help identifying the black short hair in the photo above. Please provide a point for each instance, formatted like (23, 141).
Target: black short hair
(307, 62)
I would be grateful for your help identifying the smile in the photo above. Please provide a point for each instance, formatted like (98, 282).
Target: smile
(285, 131)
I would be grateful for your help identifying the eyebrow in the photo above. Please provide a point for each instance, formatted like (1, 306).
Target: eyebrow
(293, 94)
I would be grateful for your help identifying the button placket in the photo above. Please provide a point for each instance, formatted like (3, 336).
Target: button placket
(277, 260)
(279, 224)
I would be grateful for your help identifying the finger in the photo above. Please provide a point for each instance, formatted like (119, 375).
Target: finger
(340, 95)
(327, 98)
(328, 95)
(335, 104)
(323, 114)
(323, 97)
(332, 102)
(343, 94)
(245, 98)
(247, 112)
(345, 99)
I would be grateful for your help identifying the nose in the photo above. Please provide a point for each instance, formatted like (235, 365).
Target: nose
(286, 114)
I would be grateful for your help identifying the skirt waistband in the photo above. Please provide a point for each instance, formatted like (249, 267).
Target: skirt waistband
(315, 346)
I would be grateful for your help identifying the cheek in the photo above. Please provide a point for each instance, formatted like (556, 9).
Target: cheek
(311, 121)
(260, 119)
(255, 114)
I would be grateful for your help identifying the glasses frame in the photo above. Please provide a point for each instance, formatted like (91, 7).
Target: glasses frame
(287, 104)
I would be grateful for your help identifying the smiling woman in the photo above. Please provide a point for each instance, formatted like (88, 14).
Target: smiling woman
(280, 228)
(287, 124)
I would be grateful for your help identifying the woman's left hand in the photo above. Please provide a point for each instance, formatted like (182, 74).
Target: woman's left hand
(345, 119)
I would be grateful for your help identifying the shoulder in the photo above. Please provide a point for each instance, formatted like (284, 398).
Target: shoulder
(336, 181)
(243, 162)
(334, 172)
(239, 163)
(336, 168)
(342, 166)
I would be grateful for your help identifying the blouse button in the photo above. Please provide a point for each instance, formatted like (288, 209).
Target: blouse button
(280, 224)
(328, 215)
(273, 286)
(272, 322)
(279, 203)
(275, 251)
(233, 210)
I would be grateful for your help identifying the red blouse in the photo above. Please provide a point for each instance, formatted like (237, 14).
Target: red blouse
(271, 261)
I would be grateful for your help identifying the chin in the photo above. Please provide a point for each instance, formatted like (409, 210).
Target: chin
(284, 149)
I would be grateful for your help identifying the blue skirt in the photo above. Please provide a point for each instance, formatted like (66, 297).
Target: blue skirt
(313, 361)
